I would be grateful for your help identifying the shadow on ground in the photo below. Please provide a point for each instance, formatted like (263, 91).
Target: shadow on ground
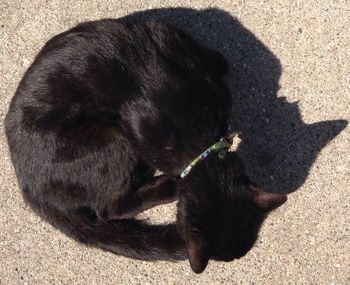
(277, 147)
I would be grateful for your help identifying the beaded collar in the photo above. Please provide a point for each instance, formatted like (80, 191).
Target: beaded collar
(221, 147)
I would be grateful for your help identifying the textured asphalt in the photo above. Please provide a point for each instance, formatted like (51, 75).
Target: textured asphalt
(290, 77)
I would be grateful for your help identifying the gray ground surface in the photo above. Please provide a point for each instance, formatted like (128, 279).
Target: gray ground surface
(294, 49)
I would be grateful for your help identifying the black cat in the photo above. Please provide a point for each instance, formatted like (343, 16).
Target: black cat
(102, 107)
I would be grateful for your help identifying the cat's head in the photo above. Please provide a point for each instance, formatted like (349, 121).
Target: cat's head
(220, 211)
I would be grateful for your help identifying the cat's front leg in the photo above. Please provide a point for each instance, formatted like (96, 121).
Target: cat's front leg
(156, 191)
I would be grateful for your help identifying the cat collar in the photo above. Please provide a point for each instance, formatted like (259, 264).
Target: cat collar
(221, 147)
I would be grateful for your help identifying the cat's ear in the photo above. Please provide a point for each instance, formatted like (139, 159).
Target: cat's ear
(266, 200)
(197, 248)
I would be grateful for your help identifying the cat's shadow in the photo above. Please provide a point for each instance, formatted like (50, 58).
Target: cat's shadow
(278, 148)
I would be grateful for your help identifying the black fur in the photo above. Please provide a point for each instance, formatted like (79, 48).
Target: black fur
(104, 105)
(220, 211)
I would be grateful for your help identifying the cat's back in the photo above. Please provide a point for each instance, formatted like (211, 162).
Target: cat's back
(63, 119)
(83, 72)
(93, 82)
(82, 63)
(98, 66)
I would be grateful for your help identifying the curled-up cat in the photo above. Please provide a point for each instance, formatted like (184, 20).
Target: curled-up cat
(105, 104)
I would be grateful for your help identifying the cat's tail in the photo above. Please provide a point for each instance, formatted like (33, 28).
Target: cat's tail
(129, 237)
